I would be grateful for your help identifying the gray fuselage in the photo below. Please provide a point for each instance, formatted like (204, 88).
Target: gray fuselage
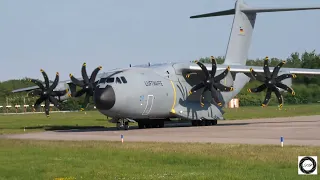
(155, 93)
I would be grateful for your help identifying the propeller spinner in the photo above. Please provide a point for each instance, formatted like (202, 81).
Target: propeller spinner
(46, 92)
(211, 83)
(86, 84)
(271, 82)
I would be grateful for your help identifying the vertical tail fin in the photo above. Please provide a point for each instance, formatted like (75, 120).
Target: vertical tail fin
(242, 29)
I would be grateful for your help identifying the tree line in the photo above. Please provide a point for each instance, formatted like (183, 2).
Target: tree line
(307, 88)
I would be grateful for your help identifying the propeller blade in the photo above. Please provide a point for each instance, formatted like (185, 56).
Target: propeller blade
(196, 87)
(76, 81)
(47, 107)
(285, 76)
(201, 96)
(221, 87)
(267, 98)
(276, 69)
(55, 102)
(214, 96)
(204, 69)
(55, 83)
(38, 83)
(285, 87)
(222, 75)
(84, 73)
(86, 101)
(214, 66)
(45, 76)
(80, 93)
(257, 76)
(94, 74)
(38, 102)
(279, 97)
(258, 89)
(266, 67)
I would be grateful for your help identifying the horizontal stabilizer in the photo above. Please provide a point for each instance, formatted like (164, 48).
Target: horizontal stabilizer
(220, 13)
(246, 9)
(257, 10)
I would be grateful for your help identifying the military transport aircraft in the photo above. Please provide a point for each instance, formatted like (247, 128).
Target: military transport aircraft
(191, 91)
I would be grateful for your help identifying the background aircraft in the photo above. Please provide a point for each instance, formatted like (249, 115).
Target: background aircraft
(150, 95)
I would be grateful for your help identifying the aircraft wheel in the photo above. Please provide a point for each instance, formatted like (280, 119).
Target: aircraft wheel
(118, 125)
(207, 123)
(161, 124)
(202, 123)
(199, 123)
(214, 122)
(194, 123)
(140, 125)
(126, 125)
(154, 124)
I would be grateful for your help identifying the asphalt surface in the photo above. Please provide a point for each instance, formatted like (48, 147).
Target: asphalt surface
(303, 130)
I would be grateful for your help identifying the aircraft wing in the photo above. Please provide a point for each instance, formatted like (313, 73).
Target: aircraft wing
(25, 89)
(99, 75)
(259, 69)
(34, 87)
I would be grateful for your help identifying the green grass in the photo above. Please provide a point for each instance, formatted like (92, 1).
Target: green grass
(26, 159)
(15, 123)
(272, 111)
(30, 159)
(39, 122)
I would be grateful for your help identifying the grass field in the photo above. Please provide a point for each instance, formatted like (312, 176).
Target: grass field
(28, 159)
(39, 122)
(113, 160)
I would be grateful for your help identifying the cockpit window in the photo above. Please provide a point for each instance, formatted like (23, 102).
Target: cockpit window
(110, 80)
(102, 80)
(123, 79)
(118, 80)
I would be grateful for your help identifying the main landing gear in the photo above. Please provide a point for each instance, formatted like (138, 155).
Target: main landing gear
(151, 124)
(123, 124)
(204, 122)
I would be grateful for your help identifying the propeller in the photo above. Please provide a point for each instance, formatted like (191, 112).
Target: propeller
(86, 84)
(271, 82)
(46, 92)
(211, 82)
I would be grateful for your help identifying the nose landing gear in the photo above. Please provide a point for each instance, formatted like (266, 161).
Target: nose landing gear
(122, 123)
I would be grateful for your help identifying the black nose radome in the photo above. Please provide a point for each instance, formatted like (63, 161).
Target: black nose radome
(104, 98)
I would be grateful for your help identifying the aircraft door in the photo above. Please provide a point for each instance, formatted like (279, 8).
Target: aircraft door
(148, 105)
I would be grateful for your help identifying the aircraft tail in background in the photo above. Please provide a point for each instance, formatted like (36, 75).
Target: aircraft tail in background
(242, 29)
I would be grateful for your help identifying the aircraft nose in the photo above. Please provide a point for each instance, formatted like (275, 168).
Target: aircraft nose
(104, 98)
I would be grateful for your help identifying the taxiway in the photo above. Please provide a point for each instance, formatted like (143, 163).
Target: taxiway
(304, 130)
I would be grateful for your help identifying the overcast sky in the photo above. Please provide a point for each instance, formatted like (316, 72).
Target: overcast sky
(60, 35)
